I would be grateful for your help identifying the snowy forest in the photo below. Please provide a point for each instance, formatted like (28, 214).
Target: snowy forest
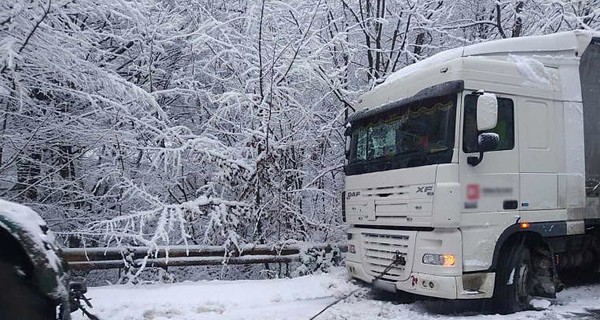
(219, 122)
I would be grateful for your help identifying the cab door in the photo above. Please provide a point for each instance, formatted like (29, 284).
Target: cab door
(490, 189)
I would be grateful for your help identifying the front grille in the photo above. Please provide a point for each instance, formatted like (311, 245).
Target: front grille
(380, 251)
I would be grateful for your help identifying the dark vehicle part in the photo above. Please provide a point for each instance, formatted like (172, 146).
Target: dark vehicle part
(513, 289)
(77, 290)
(526, 270)
(19, 299)
(33, 277)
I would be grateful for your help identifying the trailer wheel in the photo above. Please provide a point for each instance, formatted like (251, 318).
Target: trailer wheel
(18, 298)
(513, 288)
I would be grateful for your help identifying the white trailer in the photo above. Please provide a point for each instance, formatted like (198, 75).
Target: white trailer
(476, 173)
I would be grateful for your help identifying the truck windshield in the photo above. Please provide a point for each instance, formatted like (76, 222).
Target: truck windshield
(417, 134)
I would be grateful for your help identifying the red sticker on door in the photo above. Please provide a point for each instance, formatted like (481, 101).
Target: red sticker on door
(472, 192)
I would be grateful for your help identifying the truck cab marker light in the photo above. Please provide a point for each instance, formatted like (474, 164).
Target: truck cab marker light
(524, 225)
(449, 260)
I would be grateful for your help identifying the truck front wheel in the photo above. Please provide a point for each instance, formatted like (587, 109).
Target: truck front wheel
(513, 288)
(18, 298)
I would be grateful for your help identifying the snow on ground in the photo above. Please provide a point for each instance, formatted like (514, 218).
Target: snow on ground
(297, 298)
(302, 298)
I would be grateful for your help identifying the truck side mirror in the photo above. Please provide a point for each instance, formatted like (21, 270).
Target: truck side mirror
(347, 147)
(487, 111)
(486, 141)
(348, 136)
(348, 130)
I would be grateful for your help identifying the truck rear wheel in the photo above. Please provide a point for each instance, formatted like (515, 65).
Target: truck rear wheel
(513, 288)
(18, 298)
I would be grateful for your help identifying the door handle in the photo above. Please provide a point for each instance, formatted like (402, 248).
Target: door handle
(510, 204)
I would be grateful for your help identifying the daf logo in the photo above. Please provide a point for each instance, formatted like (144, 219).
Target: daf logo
(352, 194)
(425, 189)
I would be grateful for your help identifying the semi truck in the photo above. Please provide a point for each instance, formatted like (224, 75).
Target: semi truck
(475, 173)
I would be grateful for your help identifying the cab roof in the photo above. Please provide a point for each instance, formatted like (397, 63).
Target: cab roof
(447, 65)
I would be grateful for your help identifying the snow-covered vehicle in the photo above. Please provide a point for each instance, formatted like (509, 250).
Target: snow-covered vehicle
(429, 214)
(33, 277)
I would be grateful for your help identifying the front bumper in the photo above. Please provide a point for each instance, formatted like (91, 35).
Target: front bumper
(446, 287)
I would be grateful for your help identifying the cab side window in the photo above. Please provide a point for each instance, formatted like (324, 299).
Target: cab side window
(505, 128)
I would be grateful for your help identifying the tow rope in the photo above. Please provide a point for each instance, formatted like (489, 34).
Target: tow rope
(398, 259)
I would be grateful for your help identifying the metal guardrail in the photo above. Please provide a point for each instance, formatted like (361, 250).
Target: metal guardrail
(192, 255)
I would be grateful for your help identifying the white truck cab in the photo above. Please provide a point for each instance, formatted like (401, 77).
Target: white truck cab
(476, 173)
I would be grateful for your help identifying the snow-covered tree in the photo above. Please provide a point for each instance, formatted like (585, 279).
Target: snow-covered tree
(218, 122)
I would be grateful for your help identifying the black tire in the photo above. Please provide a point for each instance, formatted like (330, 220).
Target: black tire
(512, 291)
(19, 300)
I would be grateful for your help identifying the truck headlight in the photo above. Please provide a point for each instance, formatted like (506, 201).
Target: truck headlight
(446, 260)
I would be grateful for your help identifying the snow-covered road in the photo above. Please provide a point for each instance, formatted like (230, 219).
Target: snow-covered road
(301, 298)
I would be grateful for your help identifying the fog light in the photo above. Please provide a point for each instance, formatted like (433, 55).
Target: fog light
(351, 248)
(446, 260)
